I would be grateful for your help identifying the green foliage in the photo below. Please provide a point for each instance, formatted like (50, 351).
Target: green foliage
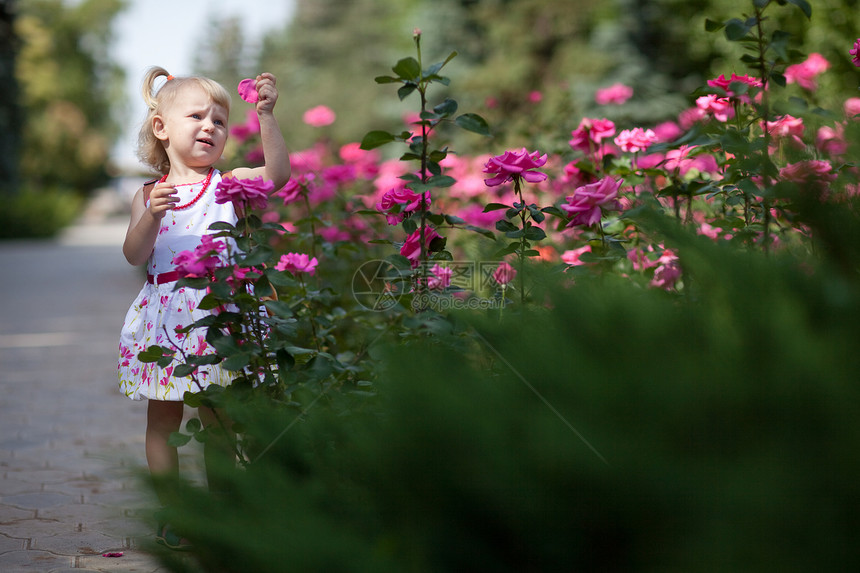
(42, 214)
(69, 86)
(617, 429)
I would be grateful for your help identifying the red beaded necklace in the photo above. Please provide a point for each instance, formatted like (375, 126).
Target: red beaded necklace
(199, 195)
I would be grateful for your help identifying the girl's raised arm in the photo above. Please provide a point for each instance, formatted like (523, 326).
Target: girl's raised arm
(276, 157)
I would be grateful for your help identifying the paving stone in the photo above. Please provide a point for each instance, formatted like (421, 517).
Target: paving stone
(11, 544)
(35, 527)
(74, 543)
(28, 560)
(9, 514)
(40, 500)
(12, 486)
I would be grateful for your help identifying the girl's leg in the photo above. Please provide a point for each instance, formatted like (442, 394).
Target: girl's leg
(162, 419)
(218, 455)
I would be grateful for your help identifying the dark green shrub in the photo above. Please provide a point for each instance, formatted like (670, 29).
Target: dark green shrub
(615, 429)
(31, 214)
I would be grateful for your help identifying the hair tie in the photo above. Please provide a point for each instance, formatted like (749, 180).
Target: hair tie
(169, 77)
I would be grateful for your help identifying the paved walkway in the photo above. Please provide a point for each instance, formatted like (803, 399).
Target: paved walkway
(71, 446)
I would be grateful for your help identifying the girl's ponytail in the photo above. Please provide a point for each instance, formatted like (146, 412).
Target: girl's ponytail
(147, 88)
(150, 151)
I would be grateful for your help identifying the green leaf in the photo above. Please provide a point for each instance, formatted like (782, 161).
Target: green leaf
(535, 234)
(376, 138)
(279, 308)
(405, 90)
(485, 232)
(494, 207)
(154, 354)
(446, 108)
(408, 69)
(236, 362)
(505, 226)
(221, 226)
(474, 123)
(184, 370)
(258, 256)
(386, 80)
(736, 29)
(804, 6)
(711, 26)
(177, 439)
(193, 425)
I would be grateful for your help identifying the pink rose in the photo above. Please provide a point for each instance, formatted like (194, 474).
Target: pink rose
(515, 164)
(852, 107)
(572, 257)
(719, 107)
(636, 139)
(441, 277)
(814, 171)
(411, 248)
(297, 263)
(831, 140)
(504, 273)
(585, 206)
(407, 200)
(591, 132)
(292, 191)
(804, 73)
(614, 94)
(253, 193)
(319, 116)
(202, 260)
(248, 90)
(855, 52)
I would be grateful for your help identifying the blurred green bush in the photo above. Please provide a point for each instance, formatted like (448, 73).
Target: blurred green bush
(614, 429)
(29, 214)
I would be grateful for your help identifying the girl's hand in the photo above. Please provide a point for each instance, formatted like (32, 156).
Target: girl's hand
(267, 91)
(162, 198)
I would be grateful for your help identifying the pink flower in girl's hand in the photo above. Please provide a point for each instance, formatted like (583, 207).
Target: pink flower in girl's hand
(248, 90)
(253, 193)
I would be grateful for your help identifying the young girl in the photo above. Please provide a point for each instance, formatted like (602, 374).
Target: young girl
(182, 137)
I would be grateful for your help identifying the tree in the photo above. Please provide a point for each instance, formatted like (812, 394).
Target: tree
(69, 87)
(10, 116)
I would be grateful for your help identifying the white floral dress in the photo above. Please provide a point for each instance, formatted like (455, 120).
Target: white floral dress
(159, 310)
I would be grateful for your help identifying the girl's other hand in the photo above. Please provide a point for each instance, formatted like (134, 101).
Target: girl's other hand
(162, 198)
(268, 92)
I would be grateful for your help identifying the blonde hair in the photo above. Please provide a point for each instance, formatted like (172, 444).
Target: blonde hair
(150, 150)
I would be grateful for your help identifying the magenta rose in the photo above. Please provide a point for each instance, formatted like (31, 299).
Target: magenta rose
(202, 260)
(804, 73)
(615, 94)
(855, 52)
(252, 193)
(515, 164)
(586, 205)
(297, 263)
(504, 273)
(636, 139)
(411, 248)
(441, 277)
(319, 116)
(591, 132)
